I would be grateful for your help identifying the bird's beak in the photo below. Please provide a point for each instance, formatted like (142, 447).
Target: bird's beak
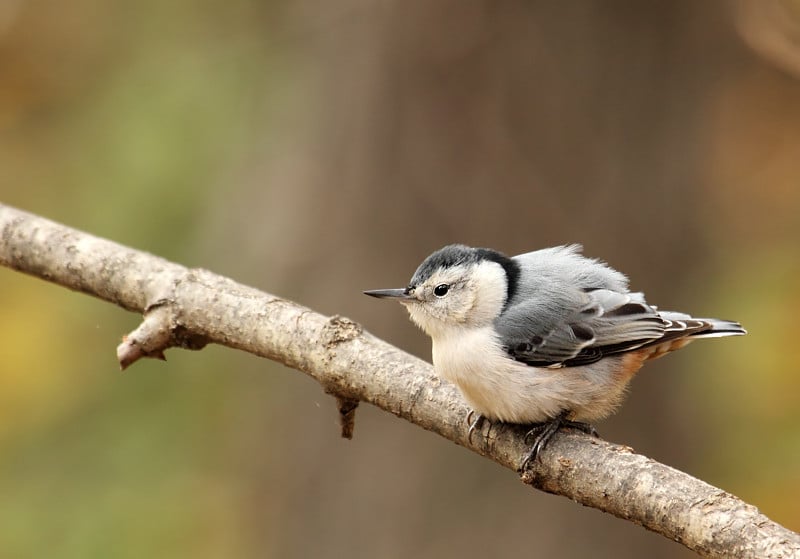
(389, 293)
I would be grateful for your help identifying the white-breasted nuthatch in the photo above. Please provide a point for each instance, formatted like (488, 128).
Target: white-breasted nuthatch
(549, 337)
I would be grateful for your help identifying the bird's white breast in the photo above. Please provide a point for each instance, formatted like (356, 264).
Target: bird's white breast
(492, 383)
(465, 355)
(501, 388)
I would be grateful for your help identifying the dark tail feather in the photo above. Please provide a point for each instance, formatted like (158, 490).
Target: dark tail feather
(682, 325)
(682, 329)
(720, 328)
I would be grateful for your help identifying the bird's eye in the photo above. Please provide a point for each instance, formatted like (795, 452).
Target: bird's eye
(441, 290)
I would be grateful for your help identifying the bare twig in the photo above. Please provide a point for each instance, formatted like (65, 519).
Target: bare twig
(191, 307)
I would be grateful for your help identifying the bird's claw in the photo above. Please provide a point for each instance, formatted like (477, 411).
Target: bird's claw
(545, 431)
(581, 426)
(473, 425)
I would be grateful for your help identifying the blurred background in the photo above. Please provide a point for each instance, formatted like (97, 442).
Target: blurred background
(315, 149)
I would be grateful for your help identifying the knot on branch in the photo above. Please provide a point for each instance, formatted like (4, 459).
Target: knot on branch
(340, 329)
(186, 339)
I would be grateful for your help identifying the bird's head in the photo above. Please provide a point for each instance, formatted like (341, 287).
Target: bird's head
(456, 287)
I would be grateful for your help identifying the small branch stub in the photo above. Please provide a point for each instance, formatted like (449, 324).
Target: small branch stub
(157, 333)
(150, 339)
(347, 415)
(129, 352)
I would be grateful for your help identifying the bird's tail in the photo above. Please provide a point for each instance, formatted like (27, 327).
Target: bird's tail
(682, 323)
(720, 328)
(681, 329)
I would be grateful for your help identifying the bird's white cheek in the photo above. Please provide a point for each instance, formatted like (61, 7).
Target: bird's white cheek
(423, 319)
(484, 300)
(416, 314)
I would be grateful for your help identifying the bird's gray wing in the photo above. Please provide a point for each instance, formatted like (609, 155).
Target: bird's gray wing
(581, 328)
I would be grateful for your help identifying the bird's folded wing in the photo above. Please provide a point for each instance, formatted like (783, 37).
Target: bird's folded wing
(600, 322)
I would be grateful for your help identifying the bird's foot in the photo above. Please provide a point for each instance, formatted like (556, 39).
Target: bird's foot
(544, 431)
(473, 425)
(581, 426)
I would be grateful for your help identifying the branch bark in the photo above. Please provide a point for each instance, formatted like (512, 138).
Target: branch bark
(189, 308)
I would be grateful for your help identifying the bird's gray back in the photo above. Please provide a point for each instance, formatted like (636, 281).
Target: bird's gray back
(564, 268)
(554, 283)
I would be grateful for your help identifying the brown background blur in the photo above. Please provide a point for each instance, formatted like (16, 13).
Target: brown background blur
(315, 149)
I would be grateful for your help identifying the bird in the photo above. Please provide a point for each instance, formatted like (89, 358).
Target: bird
(549, 338)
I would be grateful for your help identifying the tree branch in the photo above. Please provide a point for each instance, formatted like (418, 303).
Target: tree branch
(189, 308)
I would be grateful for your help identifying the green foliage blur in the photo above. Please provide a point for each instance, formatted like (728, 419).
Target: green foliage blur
(318, 150)
(121, 120)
